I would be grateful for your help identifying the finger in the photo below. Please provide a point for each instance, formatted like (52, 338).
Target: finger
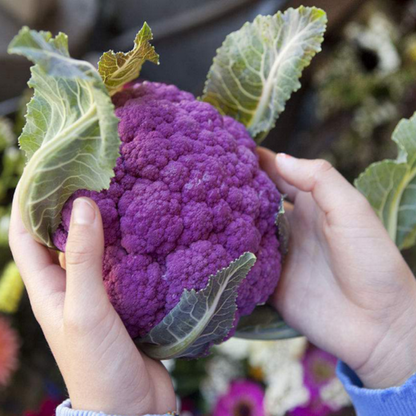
(330, 190)
(41, 276)
(268, 164)
(84, 256)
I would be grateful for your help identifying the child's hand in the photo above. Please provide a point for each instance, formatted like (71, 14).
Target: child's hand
(345, 284)
(101, 366)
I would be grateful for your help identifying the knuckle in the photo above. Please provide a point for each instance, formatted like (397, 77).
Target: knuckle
(323, 166)
(78, 253)
(321, 169)
(75, 323)
(45, 307)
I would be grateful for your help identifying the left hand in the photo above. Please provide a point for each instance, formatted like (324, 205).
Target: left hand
(344, 283)
(102, 368)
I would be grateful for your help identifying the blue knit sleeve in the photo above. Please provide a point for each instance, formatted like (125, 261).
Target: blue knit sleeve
(65, 410)
(394, 401)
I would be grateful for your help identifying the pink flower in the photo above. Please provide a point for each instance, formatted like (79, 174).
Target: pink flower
(319, 368)
(9, 346)
(244, 398)
(319, 371)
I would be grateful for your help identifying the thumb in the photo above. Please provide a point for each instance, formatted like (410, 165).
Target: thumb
(84, 255)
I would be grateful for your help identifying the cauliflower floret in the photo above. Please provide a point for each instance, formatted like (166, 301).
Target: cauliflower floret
(188, 197)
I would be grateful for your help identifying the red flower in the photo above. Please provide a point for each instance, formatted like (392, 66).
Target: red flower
(9, 346)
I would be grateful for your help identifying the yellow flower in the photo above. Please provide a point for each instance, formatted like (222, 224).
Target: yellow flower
(11, 289)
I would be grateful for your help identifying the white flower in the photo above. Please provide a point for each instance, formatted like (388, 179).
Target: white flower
(235, 348)
(280, 363)
(221, 371)
(264, 354)
(271, 355)
(285, 389)
(334, 395)
(379, 37)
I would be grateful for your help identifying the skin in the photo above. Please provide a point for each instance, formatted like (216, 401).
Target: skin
(102, 368)
(344, 285)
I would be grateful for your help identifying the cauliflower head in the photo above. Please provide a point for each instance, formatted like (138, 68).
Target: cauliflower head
(188, 197)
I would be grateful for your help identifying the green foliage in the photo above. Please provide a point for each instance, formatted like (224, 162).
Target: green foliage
(7, 136)
(117, 69)
(258, 67)
(70, 137)
(12, 168)
(12, 162)
(189, 375)
(201, 318)
(264, 324)
(390, 187)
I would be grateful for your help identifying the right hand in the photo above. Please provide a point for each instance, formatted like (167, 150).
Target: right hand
(344, 284)
(102, 368)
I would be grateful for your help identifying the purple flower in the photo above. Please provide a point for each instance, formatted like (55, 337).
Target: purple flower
(319, 371)
(319, 368)
(244, 398)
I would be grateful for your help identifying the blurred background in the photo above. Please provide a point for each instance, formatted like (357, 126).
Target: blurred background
(353, 95)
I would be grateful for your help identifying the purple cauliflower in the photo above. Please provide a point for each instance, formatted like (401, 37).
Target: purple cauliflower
(188, 197)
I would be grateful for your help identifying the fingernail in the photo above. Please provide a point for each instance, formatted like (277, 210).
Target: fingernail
(284, 159)
(83, 212)
(283, 156)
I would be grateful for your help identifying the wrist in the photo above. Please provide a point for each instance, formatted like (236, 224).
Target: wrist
(110, 407)
(392, 360)
(113, 401)
(129, 403)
